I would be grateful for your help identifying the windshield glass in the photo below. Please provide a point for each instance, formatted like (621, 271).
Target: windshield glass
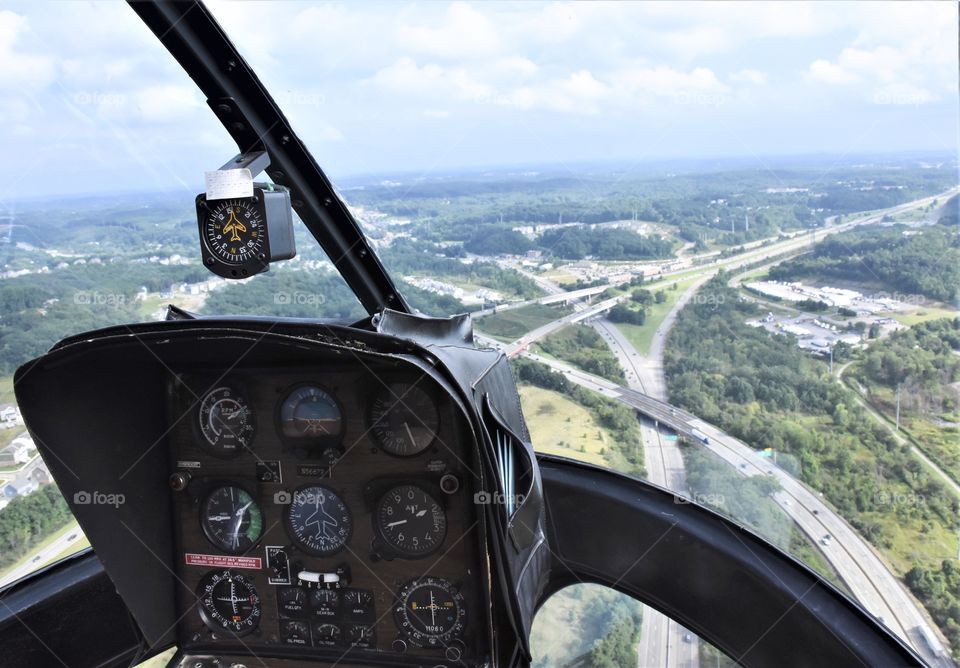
(718, 241)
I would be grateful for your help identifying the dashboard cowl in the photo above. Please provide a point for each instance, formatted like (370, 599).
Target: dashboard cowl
(63, 395)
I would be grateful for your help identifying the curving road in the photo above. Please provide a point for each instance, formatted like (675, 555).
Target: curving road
(859, 566)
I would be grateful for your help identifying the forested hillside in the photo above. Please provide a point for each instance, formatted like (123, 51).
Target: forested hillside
(897, 259)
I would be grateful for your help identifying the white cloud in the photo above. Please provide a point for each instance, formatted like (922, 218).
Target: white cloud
(827, 72)
(749, 76)
(20, 70)
(167, 104)
(466, 33)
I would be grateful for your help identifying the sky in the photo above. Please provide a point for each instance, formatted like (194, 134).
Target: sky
(91, 102)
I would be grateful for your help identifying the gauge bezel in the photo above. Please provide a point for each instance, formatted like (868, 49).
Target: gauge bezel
(210, 622)
(371, 423)
(386, 544)
(288, 522)
(419, 638)
(213, 487)
(205, 443)
(313, 445)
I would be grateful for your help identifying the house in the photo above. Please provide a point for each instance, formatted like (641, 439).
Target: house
(20, 487)
(18, 452)
(10, 415)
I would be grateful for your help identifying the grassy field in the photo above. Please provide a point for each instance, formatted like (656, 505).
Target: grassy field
(560, 426)
(641, 336)
(510, 325)
(924, 314)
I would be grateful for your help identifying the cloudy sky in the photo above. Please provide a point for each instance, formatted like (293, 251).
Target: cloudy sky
(89, 100)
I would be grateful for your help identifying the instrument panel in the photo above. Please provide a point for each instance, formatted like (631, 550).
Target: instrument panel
(327, 514)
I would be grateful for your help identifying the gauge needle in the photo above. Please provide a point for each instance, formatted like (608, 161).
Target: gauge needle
(397, 523)
(413, 441)
(433, 611)
(421, 513)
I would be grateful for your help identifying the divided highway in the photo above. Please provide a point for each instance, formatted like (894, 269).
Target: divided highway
(858, 565)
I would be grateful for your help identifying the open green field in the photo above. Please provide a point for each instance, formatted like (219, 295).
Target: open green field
(924, 314)
(6, 390)
(510, 325)
(641, 336)
(560, 426)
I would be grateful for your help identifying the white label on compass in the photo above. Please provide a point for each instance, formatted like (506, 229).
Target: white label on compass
(229, 183)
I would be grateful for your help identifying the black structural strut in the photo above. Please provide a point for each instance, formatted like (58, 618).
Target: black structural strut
(252, 117)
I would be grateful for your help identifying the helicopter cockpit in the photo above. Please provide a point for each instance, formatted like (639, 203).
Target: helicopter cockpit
(301, 493)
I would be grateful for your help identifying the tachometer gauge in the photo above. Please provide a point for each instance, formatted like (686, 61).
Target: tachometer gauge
(310, 412)
(231, 519)
(226, 422)
(228, 602)
(430, 612)
(404, 418)
(410, 521)
(233, 230)
(318, 520)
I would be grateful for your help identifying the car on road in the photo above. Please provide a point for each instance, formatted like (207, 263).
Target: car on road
(72, 536)
(35, 559)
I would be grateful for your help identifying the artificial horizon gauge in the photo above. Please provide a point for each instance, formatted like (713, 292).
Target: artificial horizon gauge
(228, 602)
(430, 612)
(226, 422)
(404, 418)
(241, 236)
(231, 519)
(310, 412)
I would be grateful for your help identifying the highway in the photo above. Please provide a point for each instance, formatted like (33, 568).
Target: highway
(43, 556)
(756, 252)
(663, 642)
(856, 562)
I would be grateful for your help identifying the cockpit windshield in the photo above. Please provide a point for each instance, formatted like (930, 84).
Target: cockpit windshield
(718, 243)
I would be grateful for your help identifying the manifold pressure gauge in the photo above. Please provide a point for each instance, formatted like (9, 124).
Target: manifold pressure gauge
(241, 236)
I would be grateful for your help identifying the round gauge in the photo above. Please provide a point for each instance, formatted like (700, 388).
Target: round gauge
(228, 601)
(410, 521)
(226, 422)
(233, 230)
(404, 418)
(430, 612)
(231, 519)
(318, 520)
(310, 412)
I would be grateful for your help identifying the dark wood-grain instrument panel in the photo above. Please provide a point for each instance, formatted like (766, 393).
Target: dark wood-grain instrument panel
(361, 470)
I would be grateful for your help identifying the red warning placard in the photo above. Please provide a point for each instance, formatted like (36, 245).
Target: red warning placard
(223, 561)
